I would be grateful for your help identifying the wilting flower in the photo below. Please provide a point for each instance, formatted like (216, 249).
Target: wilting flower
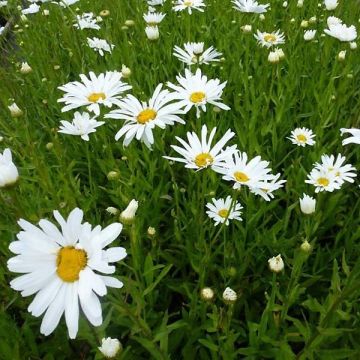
(100, 45)
(8, 171)
(142, 117)
(307, 204)
(302, 137)
(339, 30)
(354, 139)
(229, 295)
(110, 347)
(221, 210)
(250, 6)
(199, 153)
(128, 215)
(82, 125)
(64, 268)
(94, 91)
(196, 90)
(194, 53)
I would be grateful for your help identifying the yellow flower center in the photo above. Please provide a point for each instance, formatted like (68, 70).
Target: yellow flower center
(223, 213)
(241, 177)
(203, 159)
(146, 115)
(270, 38)
(70, 262)
(188, 3)
(301, 138)
(323, 181)
(95, 97)
(197, 97)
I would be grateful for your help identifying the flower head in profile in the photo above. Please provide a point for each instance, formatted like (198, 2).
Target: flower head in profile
(250, 6)
(276, 264)
(64, 268)
(354, 138)
(153, 18)
(339, 30)
(268, 186)
(128, 215)
(309, 35)
(82, 125)
(195, 90)
(93, 91)
(140, 118)
(8, 171)
(223, 210)
(302, 137)
(189, 5)
(100, 45)
(86, 21)
(270, 39)
(110, 347)
(193, 53)
(307, 204)
(331, 4)
(199, 153)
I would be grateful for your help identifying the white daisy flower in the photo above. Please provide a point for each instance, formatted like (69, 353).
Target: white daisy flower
(199, 153)
(323, 180)
(302, 137)
(100, 45)
(104, 89)
(354, 139)
(32, 9)
(152, 32)
(2, 28)
(153, 18)
(331, 4)
(268, 187)
(86, 21)
(307, 204)
(196, 90)
(309, 35)
(253, 174)
(270, 39)
(342, 172)
(65, 3)
(63, 268)
(194, 53)
(188, 5)
(142, 117)
(250, 6)
(221, 210)
(3, 3)
(339, 30)
(155, 2)
(8, 171)
(82, 125)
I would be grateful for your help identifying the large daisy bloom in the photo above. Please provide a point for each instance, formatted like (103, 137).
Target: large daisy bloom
(323, 180)
(354, 138)
(193, 53)
(63, 268)
(82, 125)
(142, 117)
(250, 6)
(8, 171)
(269, 39)
(339, 30)
(104, 89)
(302, 137)
(199, 153)
(254, 173)
(196, 90)
(189, 5)
(221, 210)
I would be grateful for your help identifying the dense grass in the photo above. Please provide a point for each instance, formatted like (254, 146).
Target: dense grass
(311, 310)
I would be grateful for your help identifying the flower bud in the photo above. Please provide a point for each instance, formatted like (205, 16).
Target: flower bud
(112, 210)
(128, 215)
(152, 32)
(25, 68)
(305, 246)
(113, 175)
(110, 347)
(307, 204)
(276, 264)
(125, 71)
(207, 294)
(8, 172)
(15, 111)
(229, 295)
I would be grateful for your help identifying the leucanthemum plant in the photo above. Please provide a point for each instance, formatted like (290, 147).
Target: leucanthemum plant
(100, 45)
(302, 137)
(199, 153)
(82, 125)
(193, 53)
(142, 117)
(189, 5)
(250, 6)
(224, 210)
(65, 268)
(195, 90)
(268, 40)
(93, 91)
